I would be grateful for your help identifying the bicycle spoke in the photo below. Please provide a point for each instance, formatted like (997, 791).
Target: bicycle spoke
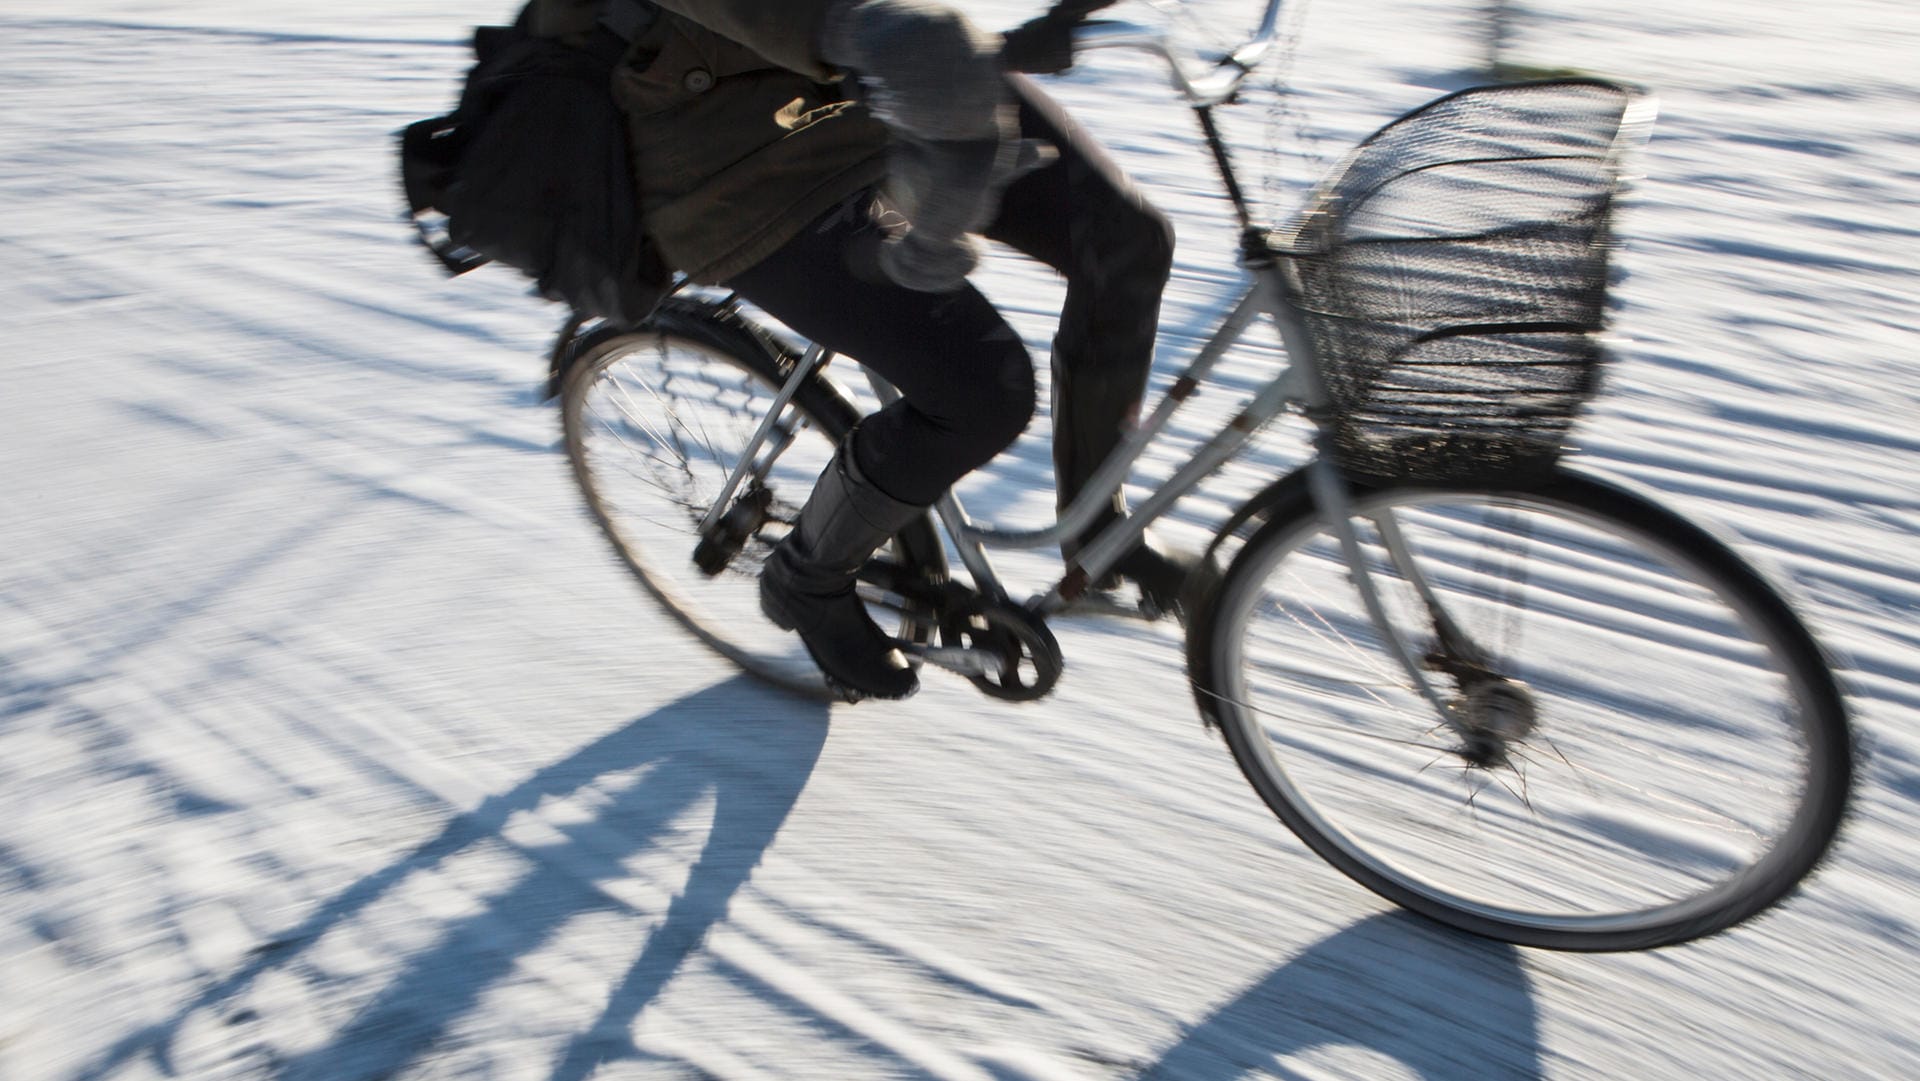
(639, 470)
(715, 456)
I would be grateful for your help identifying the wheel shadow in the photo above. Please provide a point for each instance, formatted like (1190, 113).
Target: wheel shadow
(744, 749)
(1441, 1005)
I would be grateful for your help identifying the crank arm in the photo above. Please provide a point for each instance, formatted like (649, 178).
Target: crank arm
(966, 662)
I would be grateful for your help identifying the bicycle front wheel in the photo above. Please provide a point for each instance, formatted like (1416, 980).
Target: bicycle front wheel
(1626, 739)
(656, 419)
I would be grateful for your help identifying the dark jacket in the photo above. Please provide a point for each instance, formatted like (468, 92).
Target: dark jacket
(740, 131)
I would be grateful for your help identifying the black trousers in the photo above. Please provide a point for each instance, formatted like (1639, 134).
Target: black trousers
(966, 381)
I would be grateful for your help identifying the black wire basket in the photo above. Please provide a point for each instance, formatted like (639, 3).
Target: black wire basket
(1453, 275)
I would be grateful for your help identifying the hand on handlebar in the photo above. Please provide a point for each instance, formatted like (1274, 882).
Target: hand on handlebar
(937, 82)
(946, 191)
(1044, 45)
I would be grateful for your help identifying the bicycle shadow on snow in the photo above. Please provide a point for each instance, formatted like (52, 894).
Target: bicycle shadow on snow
(746, 750)
(1436, 1004)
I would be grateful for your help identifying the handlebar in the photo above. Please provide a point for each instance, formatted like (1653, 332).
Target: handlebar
(1200, 78)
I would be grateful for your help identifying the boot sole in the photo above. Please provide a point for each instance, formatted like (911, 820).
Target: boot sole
(782, 617)
(850, 694)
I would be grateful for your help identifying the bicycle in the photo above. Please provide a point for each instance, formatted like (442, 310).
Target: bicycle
(1675, 759)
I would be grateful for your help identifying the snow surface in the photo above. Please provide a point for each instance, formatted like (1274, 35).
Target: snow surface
(334, 744)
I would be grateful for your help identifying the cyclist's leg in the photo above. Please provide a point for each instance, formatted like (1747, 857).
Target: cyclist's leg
(1082, 216)
(966, 386)
(966, 381)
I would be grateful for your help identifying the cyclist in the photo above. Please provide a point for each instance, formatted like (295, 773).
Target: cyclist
(828, 159)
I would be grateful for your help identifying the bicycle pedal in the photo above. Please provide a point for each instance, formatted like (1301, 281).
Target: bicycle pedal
(1113, 604)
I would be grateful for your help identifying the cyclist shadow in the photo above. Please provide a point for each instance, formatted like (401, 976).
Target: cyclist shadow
(1438, 1004)
(739, 749)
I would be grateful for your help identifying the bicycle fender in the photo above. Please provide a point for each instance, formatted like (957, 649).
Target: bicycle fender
(1286, 496)
(560, 358)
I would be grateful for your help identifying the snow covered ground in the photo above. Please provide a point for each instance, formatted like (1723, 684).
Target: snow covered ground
(334, 744)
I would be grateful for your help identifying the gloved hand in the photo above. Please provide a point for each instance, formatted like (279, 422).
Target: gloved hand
(932, 73)
(1044, 45)
(935, 80)
(946, 190)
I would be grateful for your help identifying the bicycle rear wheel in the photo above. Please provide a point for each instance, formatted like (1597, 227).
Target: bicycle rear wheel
(656, 419)
(1640, 743)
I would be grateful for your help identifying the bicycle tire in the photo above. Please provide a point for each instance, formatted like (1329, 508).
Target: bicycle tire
(1472, 836)
(654, 418)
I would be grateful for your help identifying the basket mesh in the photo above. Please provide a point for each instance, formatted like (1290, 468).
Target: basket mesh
(1453, 274)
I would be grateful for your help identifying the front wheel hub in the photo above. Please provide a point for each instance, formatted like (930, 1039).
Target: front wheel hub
(1496, 713)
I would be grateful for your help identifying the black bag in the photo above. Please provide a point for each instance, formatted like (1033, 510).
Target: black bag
(532, 170)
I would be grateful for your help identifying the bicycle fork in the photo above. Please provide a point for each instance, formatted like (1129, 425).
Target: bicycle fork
(1491, 709)
(751, 461)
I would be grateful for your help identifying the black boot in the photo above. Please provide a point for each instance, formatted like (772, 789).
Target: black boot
(807, 584)
(1090, 412)
(1160, 573)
